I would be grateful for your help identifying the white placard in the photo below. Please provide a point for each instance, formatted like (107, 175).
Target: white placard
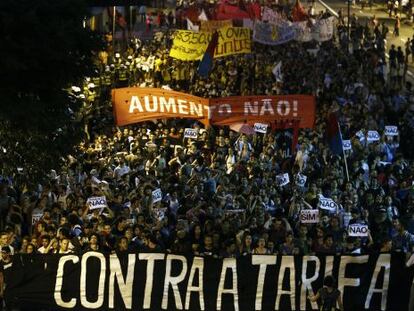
(347, 145)
(301, 180)
(156, 195)
(95, 180)
(373, 136)
(327, 204)
(160, 212)
(282, 179)
(96, 202)
(360, 134)
(309, 216)
(391, 130)
(190, 133)
(36, 217)
(260, 128)
(358, 230)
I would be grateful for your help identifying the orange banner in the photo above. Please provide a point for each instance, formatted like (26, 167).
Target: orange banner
(262, 109)
(132, 105)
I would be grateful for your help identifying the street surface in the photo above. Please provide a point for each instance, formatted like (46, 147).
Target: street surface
(381, 13)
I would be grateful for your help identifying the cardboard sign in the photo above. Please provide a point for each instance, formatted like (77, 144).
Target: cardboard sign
(391, 130)
(327, 204)
(260, 128)
(301, 180)
(156, 195)
(309, 216)
(190, 133)
(360, 134)
(160, 212)
(282, 179)
(96, 202)
(189, 45)
(358, 230)
(373, 136)
(36, 217)
(346, 144)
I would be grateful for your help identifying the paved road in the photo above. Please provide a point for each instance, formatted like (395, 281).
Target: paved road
(379, 10)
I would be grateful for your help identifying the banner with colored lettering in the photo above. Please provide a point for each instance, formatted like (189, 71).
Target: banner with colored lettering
(264, 109)
(132, 105)
(320, 30)
(211, 26)
(190, 45)
(272, 34)
(154, 282)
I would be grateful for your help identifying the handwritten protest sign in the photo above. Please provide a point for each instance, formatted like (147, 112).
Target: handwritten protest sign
(190, 133)
(358, 230)
(156, 195)
(327, 204)
(260, 128)
(347, 145)
(96, 202)
(309, 216)
(282, 179)
(391, 130)
(373, 136)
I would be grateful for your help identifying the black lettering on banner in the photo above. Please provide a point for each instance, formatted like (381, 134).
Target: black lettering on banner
(230, 32)
(238, 45)
(219, 50)
(245, 33)
(178, 35)
(202, 38)
(157, 282)
(195, 38)
(186, 36)
(220, 34)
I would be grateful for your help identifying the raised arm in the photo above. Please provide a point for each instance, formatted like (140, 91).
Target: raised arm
(314, 298)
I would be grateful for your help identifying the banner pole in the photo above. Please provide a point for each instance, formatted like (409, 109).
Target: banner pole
(113, 23)
(344, 155)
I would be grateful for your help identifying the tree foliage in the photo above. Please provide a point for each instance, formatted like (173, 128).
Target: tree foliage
(45, 49)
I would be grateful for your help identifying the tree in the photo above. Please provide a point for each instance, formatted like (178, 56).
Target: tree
(44, 50)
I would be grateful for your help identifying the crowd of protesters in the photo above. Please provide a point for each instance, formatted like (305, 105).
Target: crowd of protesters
(219, 192)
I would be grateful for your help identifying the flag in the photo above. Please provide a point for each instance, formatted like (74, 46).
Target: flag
(207, 61)
(192, 14)
(203, 16)
(298, 12)
(277, 72)
(191, 26)
(333, 133)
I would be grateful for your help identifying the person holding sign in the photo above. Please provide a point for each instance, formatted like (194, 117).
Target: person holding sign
(328, 295)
